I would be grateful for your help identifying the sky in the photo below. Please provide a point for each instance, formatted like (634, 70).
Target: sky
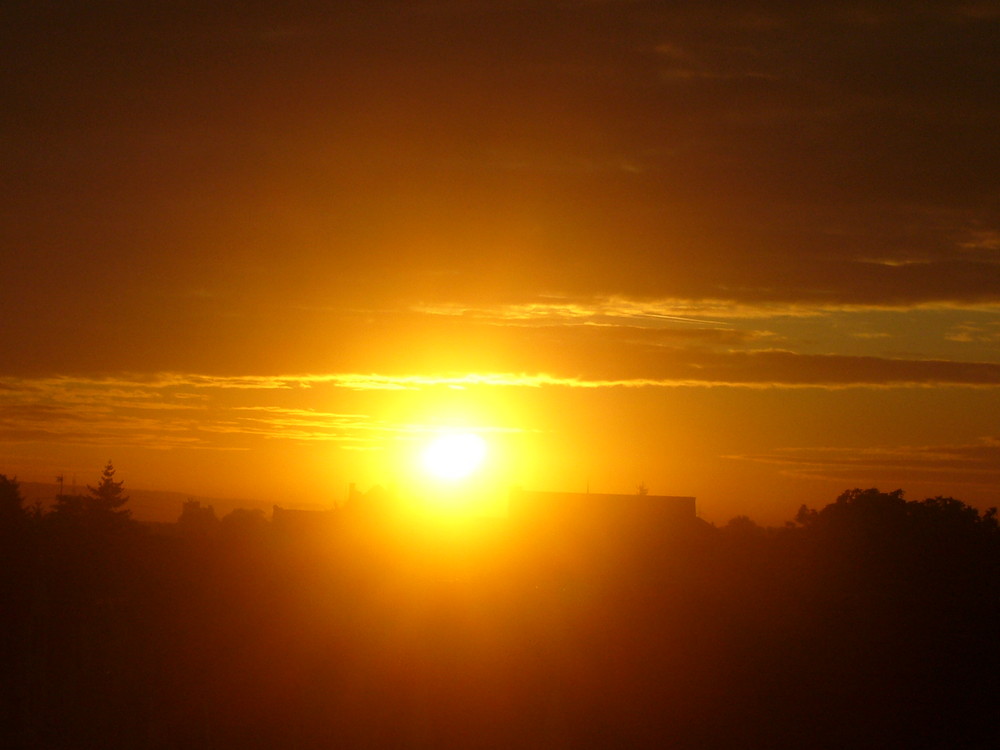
(745, 251)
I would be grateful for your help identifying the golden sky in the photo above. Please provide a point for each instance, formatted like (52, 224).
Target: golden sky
(747, 252)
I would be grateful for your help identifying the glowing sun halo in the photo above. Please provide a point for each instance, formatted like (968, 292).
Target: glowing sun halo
(453, 456)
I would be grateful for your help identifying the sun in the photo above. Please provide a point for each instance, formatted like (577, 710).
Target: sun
(454, 455)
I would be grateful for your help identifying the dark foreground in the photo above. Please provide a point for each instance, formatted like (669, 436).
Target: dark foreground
(871, 624)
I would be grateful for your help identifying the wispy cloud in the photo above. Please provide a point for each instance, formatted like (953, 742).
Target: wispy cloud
(216, 412)
(198, 410)
(988, 332)
(696, 312)
(982, 239)
(686, 367)
(600, 311)
(973, 463)
(75, 424)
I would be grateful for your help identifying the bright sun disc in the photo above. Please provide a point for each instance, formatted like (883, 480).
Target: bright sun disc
(454, 456)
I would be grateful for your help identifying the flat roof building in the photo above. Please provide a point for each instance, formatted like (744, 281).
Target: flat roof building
(588, 536)
(528, 506)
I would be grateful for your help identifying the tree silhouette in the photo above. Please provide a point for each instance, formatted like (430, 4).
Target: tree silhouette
(885, 515)
(11, 501)
(108, 496)
(69, 506)
(743, 526)
(874, 619)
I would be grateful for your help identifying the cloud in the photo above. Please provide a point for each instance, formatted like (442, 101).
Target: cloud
(695, 311)
(974, 463)
(652, 364)
(92, 424)
(642, 336)
(616, 346)
(982, 239)
(967, 332)
(608, 310)
(231, 413)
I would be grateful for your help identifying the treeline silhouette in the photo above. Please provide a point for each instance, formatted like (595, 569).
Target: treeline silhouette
(871, 622)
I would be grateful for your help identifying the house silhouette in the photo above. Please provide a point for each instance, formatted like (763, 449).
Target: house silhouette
(582, 526)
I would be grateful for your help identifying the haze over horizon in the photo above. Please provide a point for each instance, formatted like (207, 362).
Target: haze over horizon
(747, 253)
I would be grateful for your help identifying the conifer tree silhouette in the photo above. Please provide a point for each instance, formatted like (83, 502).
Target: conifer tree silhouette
(108, 495)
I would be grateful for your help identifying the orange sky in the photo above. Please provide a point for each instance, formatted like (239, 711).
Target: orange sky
(748, 253)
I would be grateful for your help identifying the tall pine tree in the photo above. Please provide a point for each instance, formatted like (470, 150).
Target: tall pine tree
(108, 496)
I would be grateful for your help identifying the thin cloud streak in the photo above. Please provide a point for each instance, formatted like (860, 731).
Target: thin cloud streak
(631, 311)
(232, 412)
(54, 411)
(975, 463)
(759, 369)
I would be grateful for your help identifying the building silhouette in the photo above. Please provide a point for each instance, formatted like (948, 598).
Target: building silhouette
(607, 510)
(581, 526)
